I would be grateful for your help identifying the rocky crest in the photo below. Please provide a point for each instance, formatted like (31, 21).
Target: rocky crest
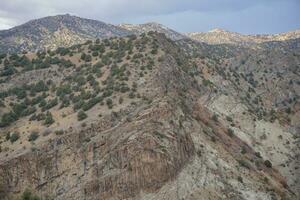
(55, 31)
(219, 36)
(153, 26)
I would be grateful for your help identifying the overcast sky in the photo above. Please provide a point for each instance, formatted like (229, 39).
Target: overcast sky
(244, 16)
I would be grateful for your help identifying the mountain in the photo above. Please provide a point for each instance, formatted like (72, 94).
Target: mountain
(146, 117)
(219, 36)
(152, 26)
(55, 31)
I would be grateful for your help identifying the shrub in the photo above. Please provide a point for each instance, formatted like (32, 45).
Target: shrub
(33, 136)
(49, 119)
(28, 195)
(244, 163)
(14, 137)
(268, 164)
(240, 179)
(91, 103)
(59, 132)
(121, 100)
(230, 132)
(154, 51)
(81, 115)
(109, 103)
(243, 151)
(131, 95)
(7, 137)
(7, 119)
(215, 117)
(206, 82)
(229, 119)
(257, 154)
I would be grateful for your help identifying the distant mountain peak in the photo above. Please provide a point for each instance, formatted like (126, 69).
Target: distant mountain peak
(56, 31)
(153, 26)
(218, 30)
(221, 36)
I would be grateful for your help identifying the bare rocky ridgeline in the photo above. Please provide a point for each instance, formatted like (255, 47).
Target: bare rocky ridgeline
(219, 36)
(146, 117)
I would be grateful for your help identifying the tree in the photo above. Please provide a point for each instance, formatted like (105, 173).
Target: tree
(268, 164)
(109, 103)
(49, 119)
(7, 119)
(230, 132)
(33, 136)
(14, 137)
(81, 115)
(215, 117)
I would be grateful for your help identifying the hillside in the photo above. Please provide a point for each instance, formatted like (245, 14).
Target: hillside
(144, 117)
(55, 31)
(138, 112)
(219, 36)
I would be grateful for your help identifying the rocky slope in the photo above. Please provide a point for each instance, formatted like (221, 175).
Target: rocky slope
(55, 31)
(219, 36)
(148, 117)
(144, 28)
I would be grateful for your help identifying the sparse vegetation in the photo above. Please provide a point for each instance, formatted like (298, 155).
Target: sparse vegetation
(215, 118)
(28, 195)
(230, 132)
(14, 137)
(268, 164)
(33, 136)
(81, 115)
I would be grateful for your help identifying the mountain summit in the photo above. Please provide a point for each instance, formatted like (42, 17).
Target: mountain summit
(153, 26)
(55, 31)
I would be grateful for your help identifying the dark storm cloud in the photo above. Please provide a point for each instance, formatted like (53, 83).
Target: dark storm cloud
(217, 12)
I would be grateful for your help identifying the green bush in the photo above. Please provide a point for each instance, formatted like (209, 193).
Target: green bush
(240, 179)
(244, 163)
(243, 150)
(268, 164)
(229, 119)
(257, 154)
(215, 117)
(109, 103)
(28, 195)
(121, 100)
(230, 132)
(91, 103)
(14, 137)
(7, 119)
(49, 119)
(81, 115)
(33, 136)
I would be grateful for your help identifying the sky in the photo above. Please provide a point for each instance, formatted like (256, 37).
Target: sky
(243, 16)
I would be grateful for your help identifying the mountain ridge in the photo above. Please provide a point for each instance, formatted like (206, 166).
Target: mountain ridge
(55, 31)
(66, 30)
(220, 36)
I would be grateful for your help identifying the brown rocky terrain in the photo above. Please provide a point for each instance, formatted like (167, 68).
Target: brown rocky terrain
(145, 117)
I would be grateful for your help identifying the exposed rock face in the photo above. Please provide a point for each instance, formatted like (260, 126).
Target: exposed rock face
(117, 163)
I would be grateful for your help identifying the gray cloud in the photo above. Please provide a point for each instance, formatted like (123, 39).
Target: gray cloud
(14, 12)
